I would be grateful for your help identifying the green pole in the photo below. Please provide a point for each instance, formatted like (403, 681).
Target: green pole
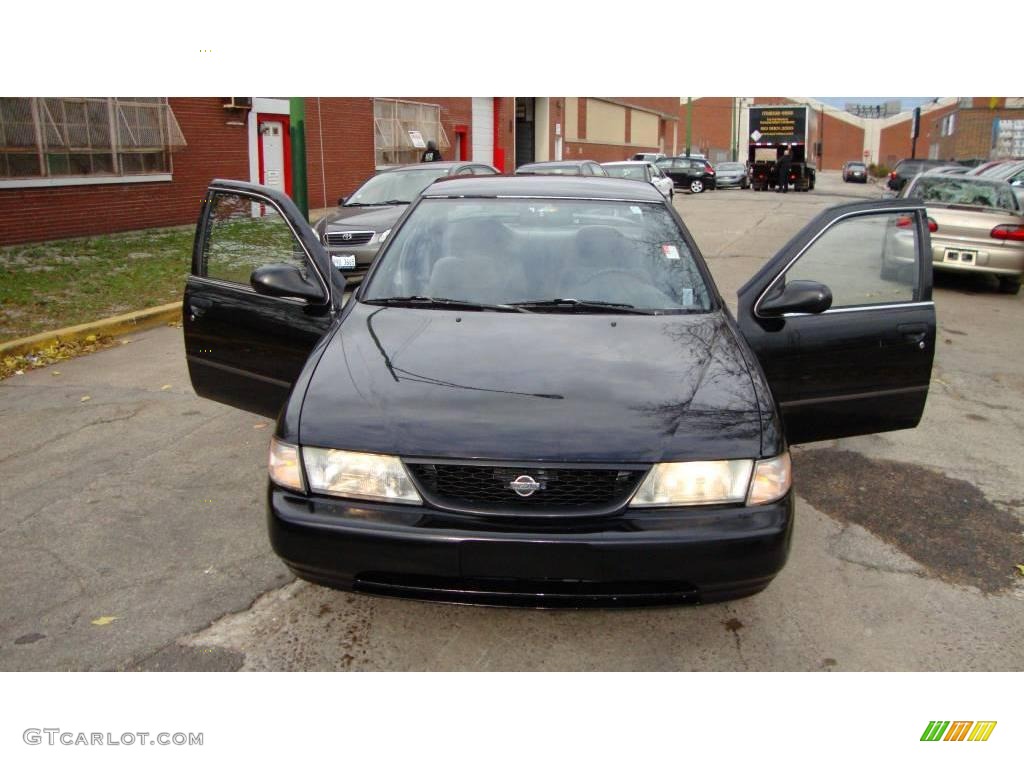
(297, 118)
(689, 123)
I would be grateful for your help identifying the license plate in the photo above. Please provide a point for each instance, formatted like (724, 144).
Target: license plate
(344, 261)
(959, 257)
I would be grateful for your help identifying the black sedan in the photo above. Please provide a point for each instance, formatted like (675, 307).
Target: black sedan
(355, 231)
(692, 173)
(537, 395)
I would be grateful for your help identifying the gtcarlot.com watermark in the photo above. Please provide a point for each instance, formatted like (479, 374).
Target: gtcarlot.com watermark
(56, 736)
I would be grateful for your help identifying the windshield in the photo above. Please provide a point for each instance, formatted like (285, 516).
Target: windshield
(730, 167)
(395, 186)
(627, 172)
(855, 167)
(553, 170)
(963, 191)
(510, 251)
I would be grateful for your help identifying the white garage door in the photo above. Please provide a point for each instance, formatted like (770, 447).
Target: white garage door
(483, 130)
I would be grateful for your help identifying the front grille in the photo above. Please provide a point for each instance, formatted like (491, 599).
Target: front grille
(488, 489)
(342, 239)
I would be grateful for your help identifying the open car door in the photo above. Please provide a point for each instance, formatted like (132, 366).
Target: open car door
(260, 296)
(843, 324)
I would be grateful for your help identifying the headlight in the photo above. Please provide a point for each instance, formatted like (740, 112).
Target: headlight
(694, 482)
(284, 465)
(384, 235)
(359, 475)
(772, 480)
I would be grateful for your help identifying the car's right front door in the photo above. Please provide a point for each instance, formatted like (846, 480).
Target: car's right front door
(861, 362)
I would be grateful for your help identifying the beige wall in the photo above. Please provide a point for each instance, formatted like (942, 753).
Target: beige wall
(643, 128)
(606, 123)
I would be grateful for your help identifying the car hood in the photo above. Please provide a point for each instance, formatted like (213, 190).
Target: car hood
(545, 387)
(377, 217)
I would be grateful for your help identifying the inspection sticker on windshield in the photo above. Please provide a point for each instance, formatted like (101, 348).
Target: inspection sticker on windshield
(670, 251)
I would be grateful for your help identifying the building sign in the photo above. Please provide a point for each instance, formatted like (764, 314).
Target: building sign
(1007, 139)
(417, 139)
(778, 125)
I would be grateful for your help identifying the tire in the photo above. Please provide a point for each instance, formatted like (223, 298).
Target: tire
(696, 186)
(1010, 285)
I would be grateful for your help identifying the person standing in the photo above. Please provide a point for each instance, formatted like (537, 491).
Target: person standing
(431, 154)
(782, 183)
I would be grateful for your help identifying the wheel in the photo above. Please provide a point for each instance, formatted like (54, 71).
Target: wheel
(1009, 285)
(696, 186)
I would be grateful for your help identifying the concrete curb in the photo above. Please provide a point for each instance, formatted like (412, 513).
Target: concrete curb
(117, 325)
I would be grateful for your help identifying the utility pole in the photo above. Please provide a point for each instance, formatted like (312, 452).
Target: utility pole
(689, 122)
(735, 129)
(297, 130)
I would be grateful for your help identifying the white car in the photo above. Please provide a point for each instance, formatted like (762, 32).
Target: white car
(641, 170)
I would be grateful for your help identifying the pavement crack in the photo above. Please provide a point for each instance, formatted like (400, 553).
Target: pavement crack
(63, 436)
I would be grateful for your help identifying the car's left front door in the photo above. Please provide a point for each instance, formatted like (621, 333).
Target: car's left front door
(247, 339)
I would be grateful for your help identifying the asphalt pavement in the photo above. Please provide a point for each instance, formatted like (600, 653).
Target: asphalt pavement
(132, 528)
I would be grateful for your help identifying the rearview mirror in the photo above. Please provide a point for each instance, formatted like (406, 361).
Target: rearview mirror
(341, 200)
(286, 280)
(804, 296)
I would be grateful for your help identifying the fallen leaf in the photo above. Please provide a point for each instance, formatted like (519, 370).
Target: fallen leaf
(88, 339)
(126, 341)
(1020, 567)
(259, 426)
(102, 621)
(85, 397)
(19, 373)
(56, 373)
(165, 387)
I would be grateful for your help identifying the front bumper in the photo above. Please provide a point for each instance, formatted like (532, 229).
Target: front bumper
(701, 554)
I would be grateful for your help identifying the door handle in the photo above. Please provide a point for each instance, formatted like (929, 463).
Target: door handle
(197, 306)
(915, 333)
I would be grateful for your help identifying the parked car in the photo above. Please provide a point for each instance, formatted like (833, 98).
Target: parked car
(730, 174)
(976, 224)
(854, 170)
(538, 395)
(948, 170)
(562, 168)
(648, 156)
(642, 171)
(355, 231)
(905, 170)
(692, 173)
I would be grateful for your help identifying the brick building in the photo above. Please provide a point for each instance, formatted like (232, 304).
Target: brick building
(72, 166)
(597, 128)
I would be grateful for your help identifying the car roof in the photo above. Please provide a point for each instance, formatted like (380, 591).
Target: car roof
(584, 187)
(627, 162)
(440, 165)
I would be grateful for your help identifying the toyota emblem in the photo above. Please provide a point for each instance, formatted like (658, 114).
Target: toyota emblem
(346, 235)
(524, 485)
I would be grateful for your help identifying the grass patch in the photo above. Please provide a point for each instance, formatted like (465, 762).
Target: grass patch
(45, 286)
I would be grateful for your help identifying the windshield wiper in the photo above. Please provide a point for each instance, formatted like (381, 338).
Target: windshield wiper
(573, 304)
(382, 202)
(437, 301)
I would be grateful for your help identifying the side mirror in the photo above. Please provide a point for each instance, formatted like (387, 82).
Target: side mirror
(341, 200)
(286, 280)
(804, 296)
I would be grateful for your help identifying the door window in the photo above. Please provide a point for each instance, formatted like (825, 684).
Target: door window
(864, 260)
(244, 233)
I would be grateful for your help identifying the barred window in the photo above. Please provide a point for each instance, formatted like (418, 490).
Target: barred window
(74, 137)
(393, 121)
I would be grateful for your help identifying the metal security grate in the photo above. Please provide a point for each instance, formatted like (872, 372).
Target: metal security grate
(489, 488)
(341, 239)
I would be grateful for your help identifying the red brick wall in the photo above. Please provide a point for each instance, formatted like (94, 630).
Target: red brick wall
(841, 140)
(894, 144)
(711, 124)
(972, 133)
(214, 149)
(346, 128)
